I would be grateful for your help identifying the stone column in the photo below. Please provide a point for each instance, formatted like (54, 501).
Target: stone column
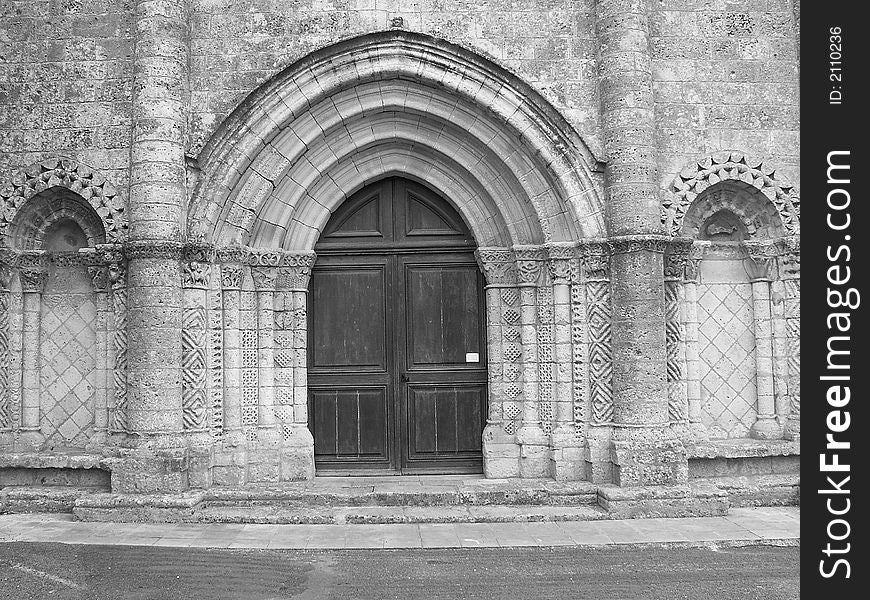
(157, 196)
(5, 411)
(790, 273)
(501, 451)
(676, 255)
(760, 267)
(193, 339)
(297, 450)
(534, 445)
(566, 445)
(644, 451)
(231, 285)
(595, 261)
(33, 280)
(693, 360)
(264, 282)
(100, 278)
(117, 348)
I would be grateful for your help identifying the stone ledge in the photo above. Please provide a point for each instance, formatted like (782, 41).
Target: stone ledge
(62, 460)
(695, 500)
(743, 448)
(760, 490)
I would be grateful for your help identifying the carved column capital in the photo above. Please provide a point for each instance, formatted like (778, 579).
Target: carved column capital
(761, 262)
(530, 261)
(33, 279)
(264, 278)
(296, 271)
(498, 265)
(5, 277)
(194, 274)
(595, 259)
(560, 257)
(99, 278)
(231, 276)
(789, 257)
(677, 257)
(118, 275)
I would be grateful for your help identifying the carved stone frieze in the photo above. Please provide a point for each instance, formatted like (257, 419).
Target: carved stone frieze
(638, 243)
(161, 249)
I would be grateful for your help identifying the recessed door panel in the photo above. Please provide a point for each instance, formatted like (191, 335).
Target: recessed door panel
(349, 322)
(443, 310)
(350, 424)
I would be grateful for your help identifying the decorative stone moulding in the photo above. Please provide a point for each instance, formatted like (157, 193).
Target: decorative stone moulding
(93, 187)
(638, 243)
(733, 166)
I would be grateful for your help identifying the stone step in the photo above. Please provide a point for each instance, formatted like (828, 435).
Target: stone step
(46, 498)
(758, 490)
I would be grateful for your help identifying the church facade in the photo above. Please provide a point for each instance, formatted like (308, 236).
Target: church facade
(248, 242)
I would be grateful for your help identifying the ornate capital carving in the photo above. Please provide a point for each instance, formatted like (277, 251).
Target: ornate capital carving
(118, 275)
(231, 277)
(232, 254)
(194, 274)
(595, 258)
(296, 272)
(761, 263)
(33, 279)
(638, 243)
(99, 277)
(530, 260)
(264, 278)
(677, 257)
(498, 265)
(560, 258)
(789, 251)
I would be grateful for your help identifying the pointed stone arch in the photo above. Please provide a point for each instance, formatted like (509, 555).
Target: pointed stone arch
(390, 103)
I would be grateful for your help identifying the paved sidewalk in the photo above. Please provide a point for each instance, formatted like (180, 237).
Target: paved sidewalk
(741, 526)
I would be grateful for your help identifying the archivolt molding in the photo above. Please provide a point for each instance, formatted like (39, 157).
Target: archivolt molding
(466, 127)
(724, 166)
(66, 173)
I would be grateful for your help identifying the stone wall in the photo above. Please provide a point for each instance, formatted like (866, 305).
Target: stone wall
(602, 152)
(66, 83)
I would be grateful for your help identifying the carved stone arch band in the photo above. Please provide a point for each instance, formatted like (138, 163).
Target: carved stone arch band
(93, 187)
(729, 165)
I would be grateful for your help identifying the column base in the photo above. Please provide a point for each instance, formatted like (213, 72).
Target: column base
(30, 440)
(567, 455)
(534, 452)
(501, 453)
(648, 457)
(766, 428)
(596, 450)
(792, 430)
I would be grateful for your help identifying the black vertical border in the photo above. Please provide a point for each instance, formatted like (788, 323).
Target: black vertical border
(827, 127)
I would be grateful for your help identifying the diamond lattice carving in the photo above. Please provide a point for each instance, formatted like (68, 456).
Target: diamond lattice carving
(727, 350)
(67, 346)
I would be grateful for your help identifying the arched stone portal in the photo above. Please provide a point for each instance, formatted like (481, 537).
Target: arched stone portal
(379, 106)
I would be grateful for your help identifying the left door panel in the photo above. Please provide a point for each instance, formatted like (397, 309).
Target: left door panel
(350, 391)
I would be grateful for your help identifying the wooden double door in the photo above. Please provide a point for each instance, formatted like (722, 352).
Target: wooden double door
(397, 365)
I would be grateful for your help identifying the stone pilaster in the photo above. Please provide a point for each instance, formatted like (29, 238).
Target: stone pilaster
(566, 446)
(5, 410)
(33, 276)
(676, 256)
(157, 195)
(231, 284)
(693, 360)
(534, 443)
(194, 376)
(297, 452)
(790, 274)
(643, 449)
(501, 451)
(264, 281)
(761, 266)
(117, 348)
(595, 269)
(100, 278)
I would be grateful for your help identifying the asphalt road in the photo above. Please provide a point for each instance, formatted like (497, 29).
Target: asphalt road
(43, 571)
